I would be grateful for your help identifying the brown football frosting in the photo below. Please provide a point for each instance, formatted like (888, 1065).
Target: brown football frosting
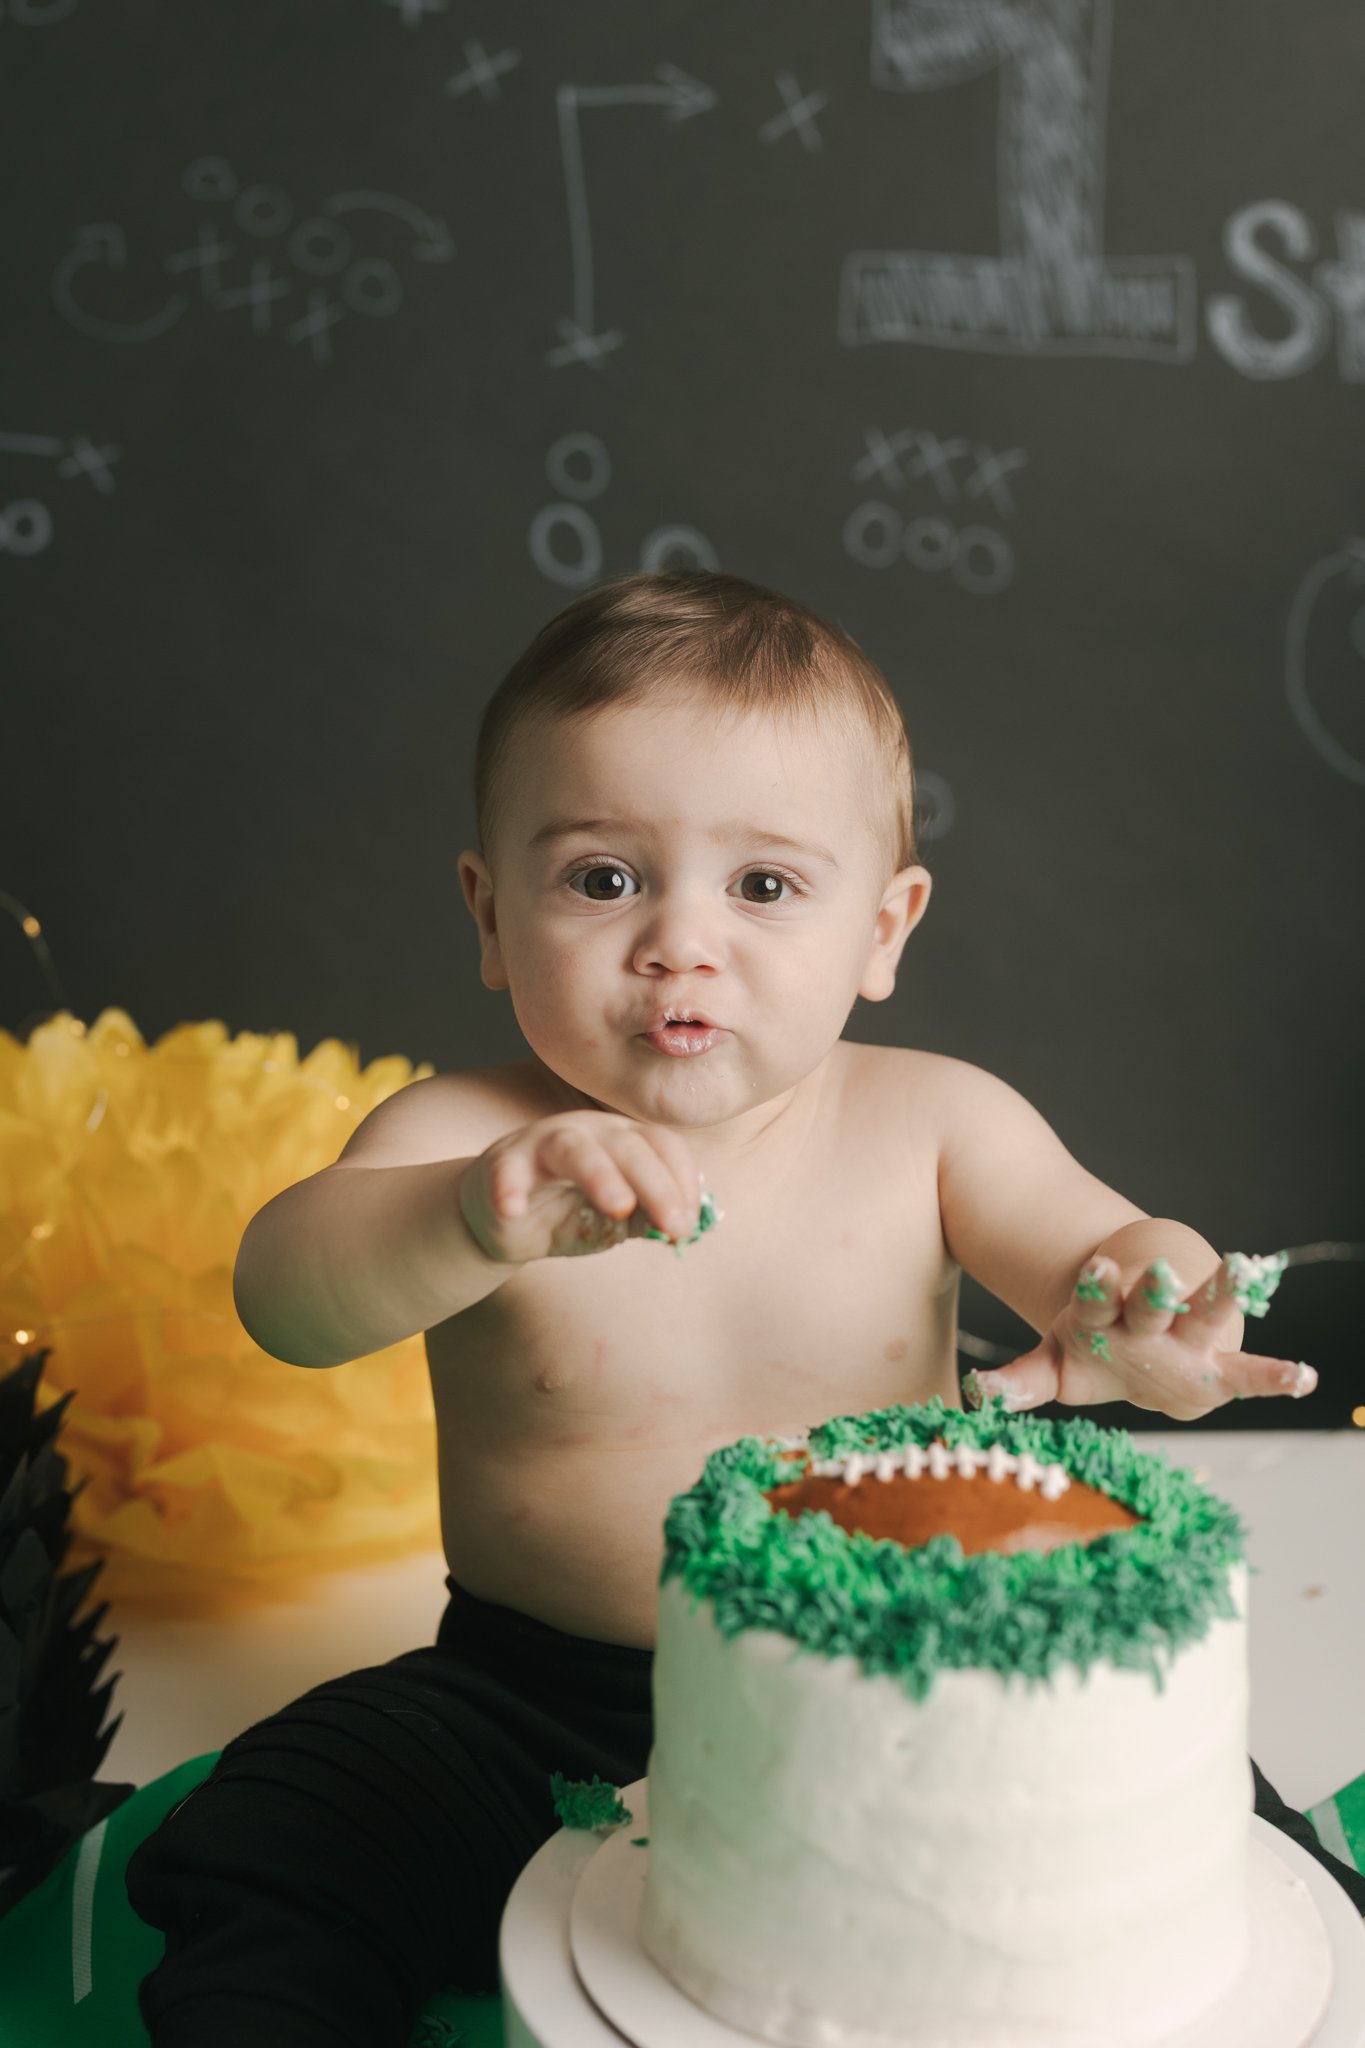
(983, 1513)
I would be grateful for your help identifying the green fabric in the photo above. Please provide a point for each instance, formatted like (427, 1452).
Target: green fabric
(1339, 1823)
(44, 1963)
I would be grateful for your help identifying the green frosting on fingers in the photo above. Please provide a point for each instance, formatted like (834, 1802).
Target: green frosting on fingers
(1254, 1279)
(1163, 1295)
(707, 1218)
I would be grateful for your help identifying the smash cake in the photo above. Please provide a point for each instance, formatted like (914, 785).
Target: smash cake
(950, 1737)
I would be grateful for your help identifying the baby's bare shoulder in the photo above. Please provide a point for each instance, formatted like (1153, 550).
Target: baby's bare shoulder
(454, 1115)
(928, 1087)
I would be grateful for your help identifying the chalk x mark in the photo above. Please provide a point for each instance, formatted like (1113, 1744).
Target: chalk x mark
(483, 72)
(797, 114)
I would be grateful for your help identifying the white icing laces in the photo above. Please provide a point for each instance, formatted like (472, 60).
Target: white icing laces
(938, 1461)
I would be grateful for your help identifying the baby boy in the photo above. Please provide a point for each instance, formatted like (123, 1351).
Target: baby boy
(695, 809)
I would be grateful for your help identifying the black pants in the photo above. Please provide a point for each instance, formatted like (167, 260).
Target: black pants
(352, 1854)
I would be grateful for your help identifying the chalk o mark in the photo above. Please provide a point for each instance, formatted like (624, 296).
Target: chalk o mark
(872, 534)
(670, 547)
(25, 527)
(371, 286)
(263, 210)
(209, 178)
(583, 529)
(1350, 563)
(569, 450)
(930, 544)
(935, 806)
(320, 247)
(983, 561)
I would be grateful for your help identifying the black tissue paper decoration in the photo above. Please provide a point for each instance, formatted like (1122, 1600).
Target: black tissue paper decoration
(50, 1708)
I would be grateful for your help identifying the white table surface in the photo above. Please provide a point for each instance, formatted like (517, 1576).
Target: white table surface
(190, 1685)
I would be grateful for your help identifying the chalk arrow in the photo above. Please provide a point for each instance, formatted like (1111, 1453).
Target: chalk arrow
(105, 243)
(682, 97)
(433, 244)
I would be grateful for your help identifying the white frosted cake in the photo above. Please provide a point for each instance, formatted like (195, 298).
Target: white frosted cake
(950, 1737)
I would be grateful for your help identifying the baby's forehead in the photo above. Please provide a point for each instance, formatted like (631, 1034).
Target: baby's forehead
(682, 770)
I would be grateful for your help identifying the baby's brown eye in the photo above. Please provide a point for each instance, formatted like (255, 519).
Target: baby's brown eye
(771, 886)
(612, 893)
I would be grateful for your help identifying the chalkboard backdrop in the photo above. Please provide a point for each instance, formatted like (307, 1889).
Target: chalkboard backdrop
(1025, 338)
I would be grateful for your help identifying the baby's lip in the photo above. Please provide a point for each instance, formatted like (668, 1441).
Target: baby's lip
(676, 1016)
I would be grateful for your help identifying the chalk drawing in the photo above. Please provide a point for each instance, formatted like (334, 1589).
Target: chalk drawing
(579, 466)
(267, 287)
(26, 525)
(566, 541)
(1052, 290)
(103, 246)
(1260, 242)
(683, 97)
(37, 13)
(926, 455)
(1310, 616)
(798, 113)
(677, 547)
(413, 10)
(483, 72)
(935, 806)
(877, 534)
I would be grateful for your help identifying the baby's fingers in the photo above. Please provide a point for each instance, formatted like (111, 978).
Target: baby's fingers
(1213, 1302)
(1245, 1376)
(668, 1208)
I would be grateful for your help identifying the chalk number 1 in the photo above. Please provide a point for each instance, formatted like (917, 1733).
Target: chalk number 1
(1051, 290)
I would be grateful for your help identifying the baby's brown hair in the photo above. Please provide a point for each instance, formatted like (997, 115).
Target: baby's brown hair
(744, 647)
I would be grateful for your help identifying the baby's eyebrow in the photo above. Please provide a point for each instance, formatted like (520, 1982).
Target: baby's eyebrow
(741, 830)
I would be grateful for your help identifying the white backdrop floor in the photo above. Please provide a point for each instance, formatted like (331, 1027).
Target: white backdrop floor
(190, 1685)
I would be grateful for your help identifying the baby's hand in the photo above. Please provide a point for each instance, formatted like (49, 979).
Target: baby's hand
(581, 1181)
(1151, 1347)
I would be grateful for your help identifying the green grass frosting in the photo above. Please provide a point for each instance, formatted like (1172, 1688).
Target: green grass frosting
(1132, 1597)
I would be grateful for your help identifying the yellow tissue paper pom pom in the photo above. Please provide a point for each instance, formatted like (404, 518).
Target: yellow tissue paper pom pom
(128, 1174)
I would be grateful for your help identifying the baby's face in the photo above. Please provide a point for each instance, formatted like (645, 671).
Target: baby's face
(688, 897)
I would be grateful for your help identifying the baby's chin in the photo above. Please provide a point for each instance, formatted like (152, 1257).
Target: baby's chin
(703, 1092)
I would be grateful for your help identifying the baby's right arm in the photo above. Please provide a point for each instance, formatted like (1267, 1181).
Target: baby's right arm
(412, 1225)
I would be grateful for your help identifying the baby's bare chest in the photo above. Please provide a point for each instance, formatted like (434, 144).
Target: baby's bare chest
(822, 1288)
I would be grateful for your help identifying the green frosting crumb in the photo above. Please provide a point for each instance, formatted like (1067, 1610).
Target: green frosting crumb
(1164, 1293)
(708, 1216)
(1088, 1287)
(1255, 1279)
(587, 1803)
(1099, 1344)
(639, 1841)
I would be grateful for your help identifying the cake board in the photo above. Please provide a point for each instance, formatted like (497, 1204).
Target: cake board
(571, 1922)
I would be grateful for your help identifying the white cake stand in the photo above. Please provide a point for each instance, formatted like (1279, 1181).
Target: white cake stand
(574, 1974)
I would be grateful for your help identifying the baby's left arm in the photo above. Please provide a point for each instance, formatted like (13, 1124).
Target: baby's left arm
(1107, 1287)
